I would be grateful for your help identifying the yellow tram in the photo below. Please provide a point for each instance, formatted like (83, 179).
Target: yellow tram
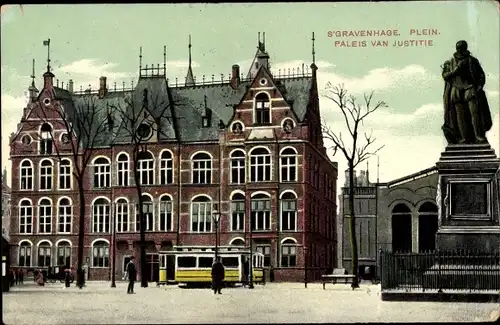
(189, 265)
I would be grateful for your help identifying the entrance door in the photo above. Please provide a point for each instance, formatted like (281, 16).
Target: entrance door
(153, 267)
(171, 267)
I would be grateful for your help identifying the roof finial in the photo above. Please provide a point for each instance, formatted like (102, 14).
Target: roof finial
(313, 52)
(47, 43)
(258, 42)
(263, 41)
(33, 74)
(140, 60)
(189, 50)
(190, 81)
(378, 169)
(164, 60)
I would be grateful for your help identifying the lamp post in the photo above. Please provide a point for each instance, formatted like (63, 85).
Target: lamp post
(305, 266)
(113, 252)
(250, 266)
(216, 217)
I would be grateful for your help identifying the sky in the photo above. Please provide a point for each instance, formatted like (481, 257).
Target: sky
(89, 41)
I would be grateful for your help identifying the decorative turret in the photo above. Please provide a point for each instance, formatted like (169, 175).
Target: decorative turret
(261, 58)
(48, 77)
(32, 90)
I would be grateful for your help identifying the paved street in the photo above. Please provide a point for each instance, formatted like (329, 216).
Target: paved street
(273, 303)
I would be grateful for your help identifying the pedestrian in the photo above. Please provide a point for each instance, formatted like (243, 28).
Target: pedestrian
(12, 277)
(246, 270)
(20, 275)
(217, 276)
(131, 272)
(40, 279)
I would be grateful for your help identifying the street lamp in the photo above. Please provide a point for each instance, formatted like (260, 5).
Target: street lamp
(216, 217)
(113, 252)
(250, 266)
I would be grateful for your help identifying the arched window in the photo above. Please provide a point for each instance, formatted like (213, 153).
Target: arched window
(146, 168)
(65, 175)
(148, 211)
(46, 175)
(26, 175)
(123, 169)
(44, 254)
(237, 242)
(262, 109)
(261, 212)
(401, 228)
(102, 173)
(100, 254)
(44, 216)
(25, 217)
(25, 254)
(165, 223)
(427, 226)
(238, 212)
(100, 216)
(65, 216)
(201, 214)
(288, 171)
(166, 168)
(288, 203)
(64, 254)
(122, 216)
(46, 139)
(288, 253)
(260, 165)
(202, 168)
(238, 167)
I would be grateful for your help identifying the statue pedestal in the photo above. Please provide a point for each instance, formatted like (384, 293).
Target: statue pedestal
(468, 199)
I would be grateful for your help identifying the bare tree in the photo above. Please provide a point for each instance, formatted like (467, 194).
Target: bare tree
(76, 129)
(355, 152)
(140, 122)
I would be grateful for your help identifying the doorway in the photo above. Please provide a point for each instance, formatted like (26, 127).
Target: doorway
(152, 267)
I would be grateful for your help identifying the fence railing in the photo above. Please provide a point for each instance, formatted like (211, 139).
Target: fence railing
(438, 270)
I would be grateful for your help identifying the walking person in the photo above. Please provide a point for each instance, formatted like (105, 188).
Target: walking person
(20, 276)
(217, 276)
(40, 279)
(246, 273)
(131, 272)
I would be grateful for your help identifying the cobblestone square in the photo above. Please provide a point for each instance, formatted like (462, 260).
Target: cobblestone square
(273, 303)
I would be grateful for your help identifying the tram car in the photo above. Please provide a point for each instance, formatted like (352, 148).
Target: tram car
(193, 265)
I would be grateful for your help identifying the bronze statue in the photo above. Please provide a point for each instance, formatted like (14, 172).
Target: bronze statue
(467, 116)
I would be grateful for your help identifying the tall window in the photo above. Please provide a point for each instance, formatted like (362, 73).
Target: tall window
(201, 214)
(166, 168)
(260, 165)
(288, 212)
(288, 253)
(261, 212)
(165, 222)
(25, 254)
(202, 168)
(100, 215)
(100, 254)
(146, 168)
(237, 212)
(102, 173)
(122, 220)
(46, 175)
(262, 109)
(44, 255)
(288, 161)
(148, 210)
(65, 175)
(401, 228)
(46, 139)
(427, 226)
(123, 170)
(264, 249)
(26, 175)
(65, 215)
(25, 217)
(64, 254)
(44, 216)
(238, 167)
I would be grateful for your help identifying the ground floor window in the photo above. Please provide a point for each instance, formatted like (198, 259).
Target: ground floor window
(64, 255)
(265, 249)
(100, 254)
(44, 256)
(289, 253)
(25, 254)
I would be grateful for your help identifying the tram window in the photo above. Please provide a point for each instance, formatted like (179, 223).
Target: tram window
(230, 261)
(205, 261)
(186, 261)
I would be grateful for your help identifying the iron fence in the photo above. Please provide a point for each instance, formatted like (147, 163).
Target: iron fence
(438, 270)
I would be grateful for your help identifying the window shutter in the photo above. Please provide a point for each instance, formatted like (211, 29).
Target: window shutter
(114, 172)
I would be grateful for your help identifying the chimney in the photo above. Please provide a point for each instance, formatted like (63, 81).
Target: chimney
(70, 85)
(102, 87)
(235, 77)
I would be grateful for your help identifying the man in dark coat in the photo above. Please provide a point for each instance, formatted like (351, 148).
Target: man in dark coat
(467, 116)
(246, 272)
(217, 276)
(132, 275)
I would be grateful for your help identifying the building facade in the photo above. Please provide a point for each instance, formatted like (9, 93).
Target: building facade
(5, 205)
(249, 146)
(400, 215)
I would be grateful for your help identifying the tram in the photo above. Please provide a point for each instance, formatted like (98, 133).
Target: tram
(190, 265)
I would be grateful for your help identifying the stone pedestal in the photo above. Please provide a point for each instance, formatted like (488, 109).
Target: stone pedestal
(468, 199)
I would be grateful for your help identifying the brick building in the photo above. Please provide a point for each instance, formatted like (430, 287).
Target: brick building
(250, 144)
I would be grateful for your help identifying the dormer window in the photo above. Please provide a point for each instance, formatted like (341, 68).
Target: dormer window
(262, 109)
(46, 139)
(206, 118)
